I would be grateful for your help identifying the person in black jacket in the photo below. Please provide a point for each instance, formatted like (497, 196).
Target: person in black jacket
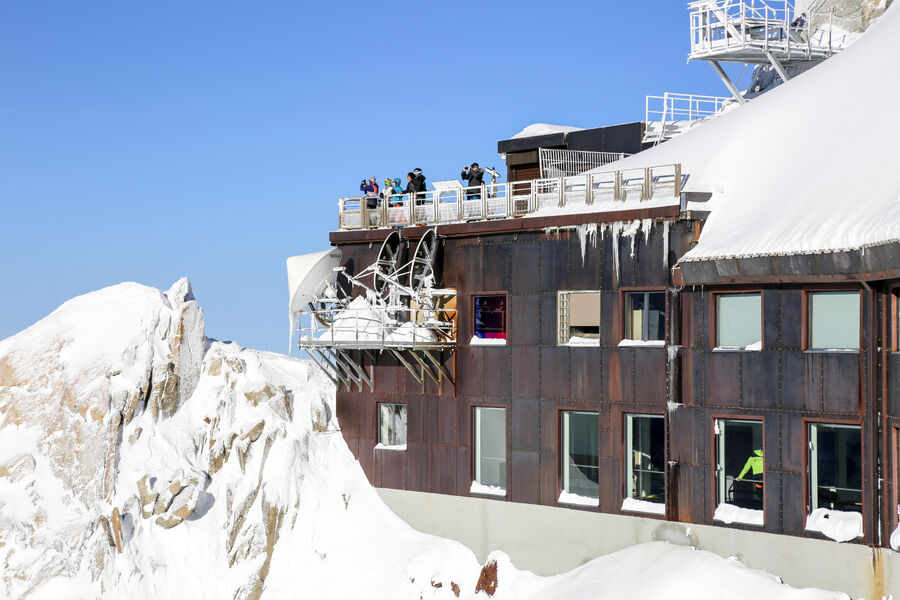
(474, 176)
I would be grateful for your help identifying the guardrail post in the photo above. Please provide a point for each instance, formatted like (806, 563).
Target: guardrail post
(677, 180)
(617, 188)
(561, 192)
(588, 189)
(363, 213)
(647, 192)
(532, 196)
(411, 208)
(459, 205)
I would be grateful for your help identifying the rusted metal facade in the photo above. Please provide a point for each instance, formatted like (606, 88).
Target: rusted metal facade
(783, 384)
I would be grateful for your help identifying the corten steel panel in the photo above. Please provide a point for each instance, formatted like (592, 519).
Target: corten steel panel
(793, 504)
(793, 442)
(368, 418)
(469, 369)
(554, 264)
(443, 469)
(691, 376)
(586, 367)
(693, 500)
(772, 493)
(626, 264)
(840, 384)
(524, 480)
(524, 320)
(496, 372)
(893, 391)
(447, 420)
(469, 261)
(416, 417)
(525, 424)
(550, 423)
(610, 485)
(463, 471)
(771, 308)
(464, 429)
(417, 467)
(496, 267)
(866, 319)
(387, 377)
(759, 379)
(555, 372)
(432, 420)
(772, 441)
(688, 436)
(367, 459)
(651, 268)
(650, 379)
(794, 395)
(392, 468)
(526, 268)
(813, 399)
(722, 373)
(584, 270)
(526, 371)
(548, 321)
(549, 479)
(610, 319)
(608, 272)
(346, 409)
(691, 319)
(618, 372)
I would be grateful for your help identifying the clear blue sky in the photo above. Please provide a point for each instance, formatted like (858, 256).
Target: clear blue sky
(147, 141)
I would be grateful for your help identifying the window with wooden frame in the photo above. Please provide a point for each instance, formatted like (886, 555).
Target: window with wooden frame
(738, 320)
(833, 320)
(578, 318)
(645, 460)
(392, 426)
(645, 316)
(580, 457)
(489, 322)
(490, 450)
(740, 471)
(835, 467)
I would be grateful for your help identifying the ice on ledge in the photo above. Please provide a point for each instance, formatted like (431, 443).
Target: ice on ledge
(397, 448)
(477, 341)
(536, 129)
(839, 525)
(577, 499)
(754, 347)
(582, 341)
(487, 490)
(643, 506)
(729, 513)
(643, 343)
(895, 539)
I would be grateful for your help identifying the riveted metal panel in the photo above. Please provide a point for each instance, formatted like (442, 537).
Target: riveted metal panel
(497, 267)
(549, 478)
(549, 431)
(555, 372)
(554, 264)
(526, 268)
(759, 379)
(650, 380)
(526, 370)
(524, 418)
(723, 370)
(470, 369)
(586, 367)
(840, 383)
(443, 469)
(793, 503)
(524, 477)
(497, 371)
(524, 320)
(392, 468)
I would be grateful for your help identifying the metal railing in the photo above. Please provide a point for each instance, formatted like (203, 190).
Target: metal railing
(566, 163)
(682, 107)
(746, 30)
(513, 199)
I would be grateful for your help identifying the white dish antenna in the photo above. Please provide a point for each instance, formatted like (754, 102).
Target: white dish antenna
(309, 275)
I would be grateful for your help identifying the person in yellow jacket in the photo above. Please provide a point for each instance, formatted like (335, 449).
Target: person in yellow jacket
(754, 464)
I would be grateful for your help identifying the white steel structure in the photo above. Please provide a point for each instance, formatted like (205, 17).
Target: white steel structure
(565, 163)
(514, 199)
(753, 32)
(670, 114)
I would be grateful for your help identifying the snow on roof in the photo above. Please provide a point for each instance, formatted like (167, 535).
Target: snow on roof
(536, 129)
(812, 166)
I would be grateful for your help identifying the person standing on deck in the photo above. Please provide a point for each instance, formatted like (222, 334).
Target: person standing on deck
(474, 177)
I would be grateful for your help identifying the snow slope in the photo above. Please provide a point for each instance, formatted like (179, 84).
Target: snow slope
(139, 459)
(810, 166)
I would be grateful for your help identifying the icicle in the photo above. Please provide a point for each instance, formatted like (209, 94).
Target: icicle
(615, 229)
(673, 352)
(585, 232)
(291, 334)
(672, 406)
(666, 225)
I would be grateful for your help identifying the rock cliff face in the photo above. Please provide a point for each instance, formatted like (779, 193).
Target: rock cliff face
(139, 459)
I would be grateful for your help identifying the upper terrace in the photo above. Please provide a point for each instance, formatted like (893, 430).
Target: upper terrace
(588, 192)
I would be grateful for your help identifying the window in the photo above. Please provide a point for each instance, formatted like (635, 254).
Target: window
(581, 454)
(490, 447)
(740, 464)
(833, 320)
(645, 458)
(739, 320)
(490, 317)
(392, 425)
(579, 317)
(835, 467)
(645, 316)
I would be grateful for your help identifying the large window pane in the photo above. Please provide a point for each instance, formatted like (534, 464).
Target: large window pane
(490, 317)
(645, 458)
(739, 463)
(835, 463)
(738, 320)
(581, 455)
(392, 424)
(579, 316)
(834, 320)
(645, 316)
(490, 446)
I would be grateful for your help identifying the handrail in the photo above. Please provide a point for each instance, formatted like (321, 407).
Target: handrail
(512, 199)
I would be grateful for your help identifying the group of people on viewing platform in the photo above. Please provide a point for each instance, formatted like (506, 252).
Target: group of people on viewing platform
(392, 192)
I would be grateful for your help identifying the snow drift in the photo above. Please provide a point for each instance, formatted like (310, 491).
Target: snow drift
(139, 459)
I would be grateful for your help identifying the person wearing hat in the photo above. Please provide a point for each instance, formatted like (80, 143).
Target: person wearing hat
(474, 176)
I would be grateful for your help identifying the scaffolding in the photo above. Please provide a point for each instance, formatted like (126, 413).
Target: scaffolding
(753, 32)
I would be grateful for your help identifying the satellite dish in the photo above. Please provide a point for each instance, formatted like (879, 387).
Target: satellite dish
(386, 263)
(426, 267)
(309, 274)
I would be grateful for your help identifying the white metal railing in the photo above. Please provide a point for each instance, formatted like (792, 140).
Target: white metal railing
(513, 199)
(682, 107)
(745, 30)
(565, 163)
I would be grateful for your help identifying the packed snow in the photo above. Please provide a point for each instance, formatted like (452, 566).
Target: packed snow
(536, 129)
(577, 499)
(140, 459)
(729, 513)
(808, 167)
(643, 506)
(839, 525)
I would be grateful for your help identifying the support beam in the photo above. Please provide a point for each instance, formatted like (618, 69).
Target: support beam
(326, 359)
(777, 64)
(425, 367)
(438, 364)
(409, 367)
(336, 357)
(322, 366)
(360, 371)
(727, 81)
